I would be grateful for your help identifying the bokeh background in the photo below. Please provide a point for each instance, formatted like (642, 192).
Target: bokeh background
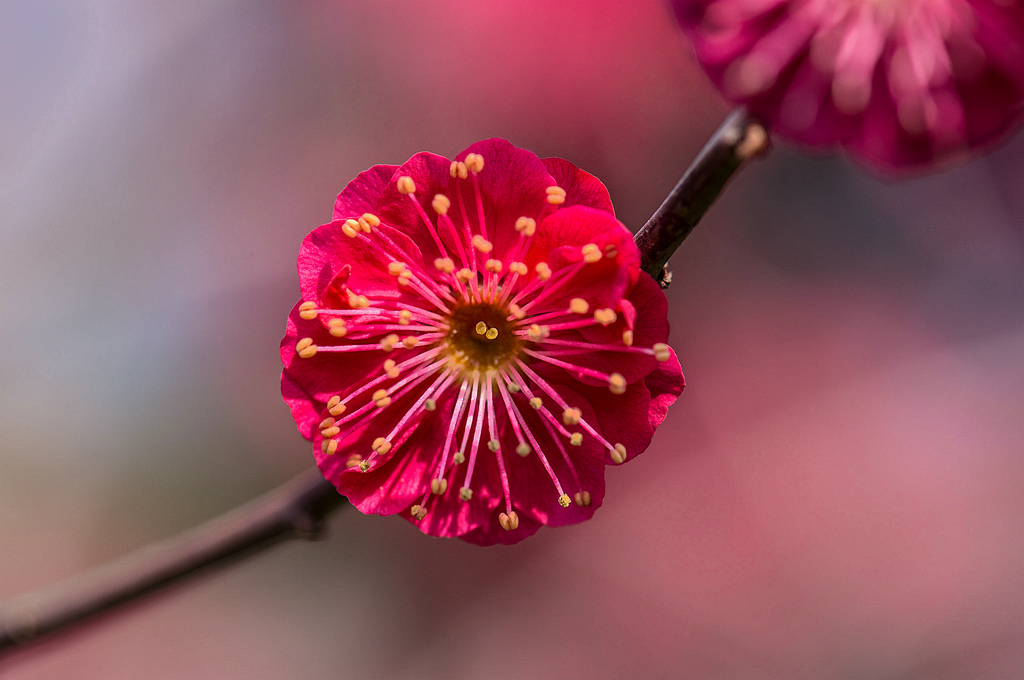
(838, 494)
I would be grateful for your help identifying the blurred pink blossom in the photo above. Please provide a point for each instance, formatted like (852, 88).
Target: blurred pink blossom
(476, 324)
(905, 84)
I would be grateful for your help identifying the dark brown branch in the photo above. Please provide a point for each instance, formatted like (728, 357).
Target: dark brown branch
(296, 509)
(740, 137)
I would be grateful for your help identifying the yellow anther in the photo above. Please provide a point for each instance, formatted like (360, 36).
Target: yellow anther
(364, 466)
(441, 204)
(523, 449)
(381, 445)
(371, 219)
(474, 162)
(627, 338)
(380, 394)
(556, 195)
(582, 498)
(579, 306)
(619, 454)
(403, 278)
(509, 522)
(543, 271)
(481, 328)
(536, 403)
(518, 268)
(307, 310)
(334, 406)
(329, 446)
(388, 343)
(330, 431)
(365, 225)
(537, 332)
(516, 311)
(406, 185)
(390, 368)
(482, 244)
(491, 333)
(605, 316)
(493, 266)
(418, 512)
(493, 445)
(459, 457)
(591, 253)
(513, 388)
(616, 383)
(327, 422)
(444, 264)
(662, 352)
(563, 500)
(527, 226)
(438, 486)
(357, 301)
(465, 275)
(396, 268)
(305, 348)
(459, 169)
(465, 493)
(404, 316)
(353, 460)
(610, 251)
(350, 228)
(576, 439)
(410, 341)
(337, 327)
(383, 403)
(571, 416)
(429, 405)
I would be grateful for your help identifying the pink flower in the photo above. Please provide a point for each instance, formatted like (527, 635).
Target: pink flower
(906, 84)
(475, 342)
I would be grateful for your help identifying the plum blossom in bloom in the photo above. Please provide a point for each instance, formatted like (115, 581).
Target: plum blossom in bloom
(475, 342)
(905, 84)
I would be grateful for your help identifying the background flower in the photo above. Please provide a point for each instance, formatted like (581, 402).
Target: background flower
(907, 85)
(841, 497)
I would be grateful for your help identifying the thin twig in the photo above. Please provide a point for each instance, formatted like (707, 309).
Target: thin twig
(740, 137)
(298, 508)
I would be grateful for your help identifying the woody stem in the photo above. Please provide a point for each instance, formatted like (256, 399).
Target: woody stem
(738, 139)
(299, 508)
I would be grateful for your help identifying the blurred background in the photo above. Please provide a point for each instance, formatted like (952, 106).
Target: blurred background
(838, 494)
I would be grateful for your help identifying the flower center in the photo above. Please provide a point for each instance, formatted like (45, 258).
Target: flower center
(480, 337)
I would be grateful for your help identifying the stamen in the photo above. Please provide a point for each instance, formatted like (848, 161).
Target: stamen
(591, 253)
(662, 352)
(576, 439)
(509, 521)
(406, 185)
(329, 446)
(337, 328)
(616, 383)
(350, 228)
(627, 338)
(391, 369)
(353, 460)
(518, 268)
(307, 310)
(474, 162)
(582, 498)
(606, 316)
(381, 398)
(418, 512)
(441, 204)
(404, 316)
(305, 348)
(482, 244)
(334, 405)
(571, 416)
(619, 454)
(556, 195)
(491, 333)
(563, 500)
(438, 486)
(459, 169)
(444, 264)
(543, 271)
(523, 449)
(493, 266)
(381, 446)
(396, 268)
(527, 226)
(465, 493)
(388, 343)
(579, 306)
